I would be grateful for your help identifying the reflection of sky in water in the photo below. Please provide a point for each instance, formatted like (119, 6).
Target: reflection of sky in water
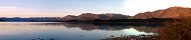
(26, 31)
(133, 31)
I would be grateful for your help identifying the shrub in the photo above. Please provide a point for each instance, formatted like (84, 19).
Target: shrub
(177, 30)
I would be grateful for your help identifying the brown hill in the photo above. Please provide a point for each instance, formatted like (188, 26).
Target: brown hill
(171, 12)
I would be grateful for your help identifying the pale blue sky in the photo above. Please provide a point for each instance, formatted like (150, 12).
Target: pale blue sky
(60, 8)
(54, 5)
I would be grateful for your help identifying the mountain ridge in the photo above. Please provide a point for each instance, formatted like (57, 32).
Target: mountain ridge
(171, 12)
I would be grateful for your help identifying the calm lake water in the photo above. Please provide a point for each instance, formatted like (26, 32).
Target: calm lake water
(67, 31)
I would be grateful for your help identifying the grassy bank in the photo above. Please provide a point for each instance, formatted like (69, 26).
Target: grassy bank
(178, 30)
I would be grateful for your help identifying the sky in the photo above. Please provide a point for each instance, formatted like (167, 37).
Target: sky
(61, 8)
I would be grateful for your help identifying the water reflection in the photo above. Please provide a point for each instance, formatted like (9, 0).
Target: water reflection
(105, 26)
(68, 31)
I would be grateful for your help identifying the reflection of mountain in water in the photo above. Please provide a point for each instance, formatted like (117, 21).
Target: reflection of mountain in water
(106, 26)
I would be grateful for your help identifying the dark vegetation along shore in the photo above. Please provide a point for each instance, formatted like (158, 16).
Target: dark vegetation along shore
(130, 22)
(151, 20)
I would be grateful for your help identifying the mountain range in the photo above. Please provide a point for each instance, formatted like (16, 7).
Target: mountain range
(171, 12)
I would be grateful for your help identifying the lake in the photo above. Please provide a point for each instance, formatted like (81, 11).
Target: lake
(68, 31)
